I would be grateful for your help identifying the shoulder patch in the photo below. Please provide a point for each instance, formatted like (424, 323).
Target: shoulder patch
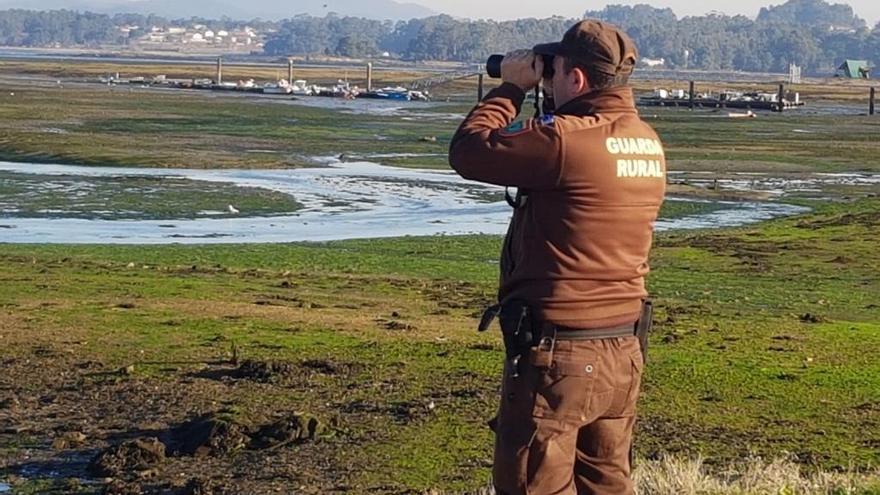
(547, 119)
(515, 128)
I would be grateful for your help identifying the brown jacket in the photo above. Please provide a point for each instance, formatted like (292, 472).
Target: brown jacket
(594, 174)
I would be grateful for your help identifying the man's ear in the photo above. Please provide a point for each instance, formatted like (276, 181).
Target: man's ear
(581, 80)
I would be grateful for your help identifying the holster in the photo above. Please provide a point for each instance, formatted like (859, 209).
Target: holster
(517, 331)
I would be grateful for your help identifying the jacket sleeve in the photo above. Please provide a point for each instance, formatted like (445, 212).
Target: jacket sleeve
(487, 148)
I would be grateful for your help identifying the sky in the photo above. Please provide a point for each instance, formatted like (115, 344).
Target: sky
(507, 9)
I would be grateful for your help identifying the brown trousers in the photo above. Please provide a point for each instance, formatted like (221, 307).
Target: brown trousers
(565, 423)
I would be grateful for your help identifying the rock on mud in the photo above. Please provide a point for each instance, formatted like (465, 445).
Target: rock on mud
(329, 367)
(210, 435)
(812, 318)
(69, 440)
(291, 429)
(393, 324)
(198, 486)
(263, 371)
(136, 455)
(117, 487)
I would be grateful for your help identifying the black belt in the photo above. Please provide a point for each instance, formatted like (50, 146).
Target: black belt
(566, 333)
(521, 332)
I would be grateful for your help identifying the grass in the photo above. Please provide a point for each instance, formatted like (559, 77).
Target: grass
(759, 343)
(674, 476)
(135, 127)
(780, 142)
(142, 198)
(130, 126)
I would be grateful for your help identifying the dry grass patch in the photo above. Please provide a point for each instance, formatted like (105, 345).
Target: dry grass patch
(754, 475)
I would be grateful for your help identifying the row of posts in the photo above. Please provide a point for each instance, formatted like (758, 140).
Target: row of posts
(219, 78)
(871, 101)
(780, 97)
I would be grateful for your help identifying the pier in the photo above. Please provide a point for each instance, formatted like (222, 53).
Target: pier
(755, 100)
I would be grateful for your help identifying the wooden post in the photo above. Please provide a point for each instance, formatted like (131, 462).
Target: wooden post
(871, 101)
(780, 96)
(369, 76)
(691, 95)
(219, 70)
(480, 88)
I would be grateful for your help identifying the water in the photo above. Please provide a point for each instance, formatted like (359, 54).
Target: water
(734, 214)
(777, 185)
(341, 201)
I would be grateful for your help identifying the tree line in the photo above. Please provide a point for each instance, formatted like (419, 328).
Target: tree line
(68, 28)
(810, 33)
(814, 34)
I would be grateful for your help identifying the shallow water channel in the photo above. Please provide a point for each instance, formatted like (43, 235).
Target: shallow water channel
(341, 200)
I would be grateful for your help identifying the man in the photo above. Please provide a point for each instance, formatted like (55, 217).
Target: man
(590, 180)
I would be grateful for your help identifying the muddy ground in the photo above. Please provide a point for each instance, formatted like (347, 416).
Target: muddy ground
(82, 423)
(225, 411)
(353, 367)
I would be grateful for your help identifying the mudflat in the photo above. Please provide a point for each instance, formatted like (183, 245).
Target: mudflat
(354, 366)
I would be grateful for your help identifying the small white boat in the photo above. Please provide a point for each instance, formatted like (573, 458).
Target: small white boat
(301, 88)
(341, 90)
(282, 87)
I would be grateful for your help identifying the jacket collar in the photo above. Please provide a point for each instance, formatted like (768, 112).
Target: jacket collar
(611, 100)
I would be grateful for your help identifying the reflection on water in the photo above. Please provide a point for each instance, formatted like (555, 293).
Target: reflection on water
(776, 185)
(341, 201)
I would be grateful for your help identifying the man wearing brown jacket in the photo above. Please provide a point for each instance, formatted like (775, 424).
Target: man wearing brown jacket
(590, 179)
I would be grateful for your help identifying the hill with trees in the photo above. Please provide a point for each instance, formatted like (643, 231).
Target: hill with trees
(811, 33)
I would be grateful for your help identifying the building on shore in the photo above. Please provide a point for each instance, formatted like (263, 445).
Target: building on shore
(854, 69)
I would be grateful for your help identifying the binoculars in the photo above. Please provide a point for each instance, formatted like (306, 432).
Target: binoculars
(493, 65)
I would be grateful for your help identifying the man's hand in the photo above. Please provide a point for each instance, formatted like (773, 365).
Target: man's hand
(522, 68)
